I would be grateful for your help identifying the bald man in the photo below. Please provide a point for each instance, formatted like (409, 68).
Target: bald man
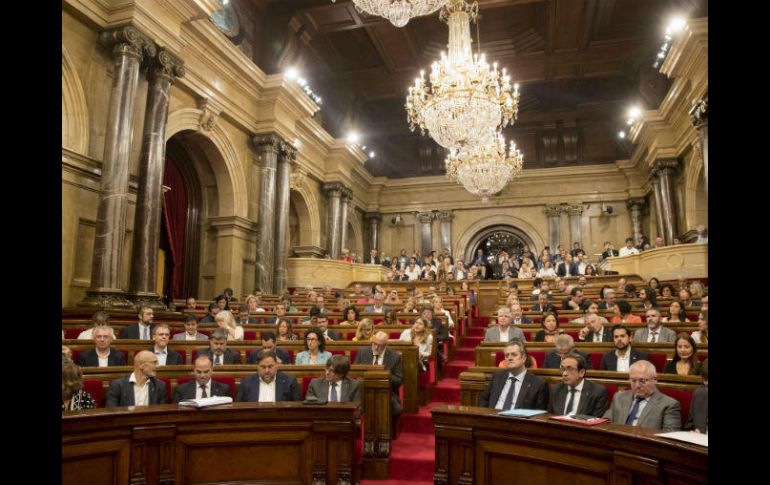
(141, 388)
(379, 354)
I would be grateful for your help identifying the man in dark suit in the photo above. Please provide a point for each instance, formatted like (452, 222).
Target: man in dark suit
(644, 405)
(161, 335)
(609, 250)
(594, 331)
(141, 388)
(575, 394)
(268, 385)
(379, 353)
(102, 355)
(243, 316)
(564, 345)
(218, 351)
(143, 328)
(373, 258)
(323, 323)
(542, 305)
(280, 312)
(212, 313)
(698, 419)
(567, 268)
(623, 356)
(268, 345)
(518, 315)
(336, 386)
(203, 385)
(515, 387)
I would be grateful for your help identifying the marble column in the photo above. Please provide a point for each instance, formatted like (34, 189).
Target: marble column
(575, 224)
(373, 219)
(347, 199)
(268, 145)
(666, 169)
(658, 205)
(635, 209)
(334, 192)
(445, 217)
(699, 116)
(287, 156)
(149, 200)
(553, 213)
(426, 235)
(128, 46)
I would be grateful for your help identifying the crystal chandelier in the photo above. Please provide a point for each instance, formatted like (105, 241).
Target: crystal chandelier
(464, 99)
(484, 169)
(398, 11)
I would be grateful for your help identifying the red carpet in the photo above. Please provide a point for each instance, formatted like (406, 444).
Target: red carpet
(454, 368)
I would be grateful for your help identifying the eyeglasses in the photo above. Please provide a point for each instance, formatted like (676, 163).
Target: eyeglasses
(567, 369)
(641, 381)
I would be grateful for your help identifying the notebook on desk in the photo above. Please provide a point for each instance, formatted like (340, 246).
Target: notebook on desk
(521, 413)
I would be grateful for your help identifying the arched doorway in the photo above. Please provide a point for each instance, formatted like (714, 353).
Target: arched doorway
(494, 239)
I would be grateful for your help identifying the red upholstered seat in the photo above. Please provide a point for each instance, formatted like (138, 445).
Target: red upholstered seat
(182, 380)
(702, 357)
(353, 354)
(168, 387)
(75, 353)
(394, 335)
(611, 390)
(249, 335)
(337, 352)
(684, 398)
(574, 335)
(207, 333)
(230, 381)
(96, 390)
(563, 319)
(72, 333)
(499, 357)
(530, 336)
(659, 361)
(538, 355)
(305, 384)
(291, 355)
(596, 359)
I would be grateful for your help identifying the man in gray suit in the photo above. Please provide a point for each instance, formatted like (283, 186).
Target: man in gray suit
(336, 386)
(190, 330)
(575, 394)
(141, 388)
(644, 405)
(503, 331)
(655, 331)
(379, 353)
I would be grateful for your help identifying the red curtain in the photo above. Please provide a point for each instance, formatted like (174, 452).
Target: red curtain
(175, 213)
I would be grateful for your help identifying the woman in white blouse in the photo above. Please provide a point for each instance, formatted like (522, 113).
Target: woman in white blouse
(547, 271)
(422, 338)
(525, 271)
(438, 308)
(225, 320)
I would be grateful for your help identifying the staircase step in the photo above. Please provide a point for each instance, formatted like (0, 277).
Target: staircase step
(477, 331)
(456, 367)
(416, 423)
(413, 457)
(447, 391)
(465, 354)
(471, 342)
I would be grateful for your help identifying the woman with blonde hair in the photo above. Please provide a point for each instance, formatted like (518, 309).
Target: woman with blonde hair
(438, 309)
(225, 320)
(420, 336)
(73, 397)
(364, 331)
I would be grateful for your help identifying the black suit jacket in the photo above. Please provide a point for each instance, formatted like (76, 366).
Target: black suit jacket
(548, 308)
(391, 360)
(172, 358)
(334, 335)
(593, 399)
(699, 410)
(610, 360)
(187, 390)
(89, 358)
(368, 260)
(121, 392)
(533, 393)
(285, 388)
(229, 356)
(280, 353)
(606, 335)
(553, 359)
(132, 331)
(610, 253)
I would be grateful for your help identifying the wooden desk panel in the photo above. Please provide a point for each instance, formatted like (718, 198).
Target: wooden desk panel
(475, 446)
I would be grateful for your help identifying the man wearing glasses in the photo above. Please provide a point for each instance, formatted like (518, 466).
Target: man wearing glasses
(575, 394)
(644, 405)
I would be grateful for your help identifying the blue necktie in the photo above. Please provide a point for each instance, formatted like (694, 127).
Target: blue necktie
(507, 404)
(144, 335)
(334, 392)
(634, 409)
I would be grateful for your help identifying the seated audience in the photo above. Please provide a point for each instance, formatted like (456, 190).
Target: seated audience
(575, 394)
(364, 331)
(576, 301)
(203, 385)
(190, 330)
(378, 306)
(73, 397)
(420, 336)
(102, 354)
(315, 348)
(654, 283)
(226, 321)
(268, 384)
(390, 318)
(564, 344)
(551, 328)
(518, 315)
(698, 418)
(623, 356)
(592, 309)
(676, 313)
(644, 405)
(514, 387)
(335, 386)
(438, 309)
(686, 299)
(100, 319)
(648, 297)
(685, 361)
(503, 331)
(218, 351)
(243, 317)
(322, 323)
(667, 291)
(212, 313)
(655, 331)
(141, 388)
(442, 334)
(161, 334)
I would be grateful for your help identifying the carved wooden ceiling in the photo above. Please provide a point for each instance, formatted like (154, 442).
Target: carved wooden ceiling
(579, 63)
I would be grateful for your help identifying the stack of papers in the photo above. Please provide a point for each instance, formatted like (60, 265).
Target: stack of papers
(687, 436)
(205, 402)
(521, 413)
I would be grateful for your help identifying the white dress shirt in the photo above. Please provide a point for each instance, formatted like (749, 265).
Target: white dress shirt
(578, 393)
(504, 335)
(103, 361)
(624, 251)
(519, 380)
(141, 393)
(161, 355)
(266, 391)
(624, 362)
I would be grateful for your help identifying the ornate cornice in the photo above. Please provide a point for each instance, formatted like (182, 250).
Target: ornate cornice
(575, 210)
(666, 167)
(373, 216)
(128, 40)
(287, 153)
(553, 210)
(333, 189)
(425, 217)
(267, 142)
(297, 179)
(445, 215)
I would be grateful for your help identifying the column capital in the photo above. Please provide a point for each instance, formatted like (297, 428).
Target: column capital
(554, 210)
(128, 40)
(333, 189)
(639, 202)
(287, 153)
(373, 216)
(699, 113)
(347, 193)
(445, 215)
(666, 166)
(425, 217)
(575, 210)
(267, 142)
(165, 65)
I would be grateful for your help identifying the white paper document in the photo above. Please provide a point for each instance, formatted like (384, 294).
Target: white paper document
(688, 436)
(521, 413)
(205, 402)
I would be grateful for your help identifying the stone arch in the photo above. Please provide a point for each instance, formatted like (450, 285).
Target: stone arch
(304, 202)
(74, 108)
(221, 155)
(693, 177)
(480, 229)
(354, 221)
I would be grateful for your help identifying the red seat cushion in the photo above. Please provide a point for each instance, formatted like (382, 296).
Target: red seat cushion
(659, 361)
(684, 398)
(611, 390)
(337, 352)
(305, 384)
(702, 357)
(207, 333)
(229, 380)
(353, 354)
(168, 387)
(249, 335)
(574, 335)
(176, 331)
(72, 333)
(394, 335)
(96, 390)
(596, 359)
(75, 353)
(538, 355)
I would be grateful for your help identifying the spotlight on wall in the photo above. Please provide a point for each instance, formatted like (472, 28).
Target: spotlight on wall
(353, 137)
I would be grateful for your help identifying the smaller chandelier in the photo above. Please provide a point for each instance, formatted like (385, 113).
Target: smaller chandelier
(398, 11)
(486, 168)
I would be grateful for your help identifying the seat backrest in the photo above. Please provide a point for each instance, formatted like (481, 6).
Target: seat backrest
(96, 390)
(611, 390)
(538, 356)
(684, 397)
(72, 333)
(394, 335)
(167, 381)
(305, 384)
(249, 335)
(596, 359)
(659, 361)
